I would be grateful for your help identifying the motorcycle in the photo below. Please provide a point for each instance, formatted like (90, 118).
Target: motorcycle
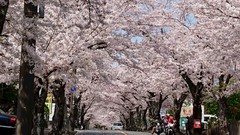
(169, 130)
(158, 129)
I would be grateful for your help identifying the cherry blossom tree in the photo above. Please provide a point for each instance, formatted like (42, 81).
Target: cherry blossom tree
(90, 45)
(216, 31)
(26, 76)
(62, 21)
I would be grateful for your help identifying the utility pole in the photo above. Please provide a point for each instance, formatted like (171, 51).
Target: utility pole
(26, 100)
(73, 106)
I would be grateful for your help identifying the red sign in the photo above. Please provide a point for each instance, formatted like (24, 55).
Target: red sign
(197, 123)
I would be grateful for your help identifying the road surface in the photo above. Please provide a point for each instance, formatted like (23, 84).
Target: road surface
(109, 132)
(99, 132)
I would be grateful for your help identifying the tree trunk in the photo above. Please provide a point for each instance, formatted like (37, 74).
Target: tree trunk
(222, 120)
(151, 108)
(131, 118)
(41, 92)
(39, 121)
(26, 80)
(79, 110)
(3, 13)
(125, 121)
(151, 104)
(82, 116)
(73, 113)
(222, 104)
(197, 113)
(178, 106)
(144, 118)
(26, 93)
(127, 124)
(58, 118)
(138, 118)
(196, 92)
(160, 102)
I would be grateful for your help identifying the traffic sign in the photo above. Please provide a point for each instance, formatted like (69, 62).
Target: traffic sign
(73, 89)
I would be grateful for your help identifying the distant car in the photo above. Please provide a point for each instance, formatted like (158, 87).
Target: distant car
(207, 117)
(117, 126)
(7, 123)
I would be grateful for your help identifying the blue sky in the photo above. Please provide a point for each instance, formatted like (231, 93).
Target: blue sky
(114, 64)
(190, 20)
(136, 39)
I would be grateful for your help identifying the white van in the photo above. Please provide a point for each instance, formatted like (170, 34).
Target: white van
(207, 117)
(117, 126)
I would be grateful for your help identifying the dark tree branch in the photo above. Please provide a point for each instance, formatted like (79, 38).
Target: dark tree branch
(90, 105)
(98, 45)
(51, 71)
(231, 16)
(3, 12)
(229, 76)
(165, 98)
(183, 96)
(191, 85)
(221, 83)
(222, 12)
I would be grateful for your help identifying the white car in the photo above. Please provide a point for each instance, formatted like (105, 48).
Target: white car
(207, 117)
(117, 126)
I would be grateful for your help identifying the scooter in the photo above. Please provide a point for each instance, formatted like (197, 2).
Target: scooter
(158, 129)
(169, 130)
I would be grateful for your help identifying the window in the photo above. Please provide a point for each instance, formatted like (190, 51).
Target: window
(206, 118)
(117, 124)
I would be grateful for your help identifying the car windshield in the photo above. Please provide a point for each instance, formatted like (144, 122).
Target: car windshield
(2, 112)
(117, 124)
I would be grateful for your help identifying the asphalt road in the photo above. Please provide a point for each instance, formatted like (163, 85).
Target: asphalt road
(99, 132)
(109, 132)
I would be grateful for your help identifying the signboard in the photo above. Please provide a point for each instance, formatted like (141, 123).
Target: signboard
(49, 102)
(73, 89)
(51, 106)
(52, 112)
(197, 123)
(49, 98)
(183, 120)
(186, 111)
